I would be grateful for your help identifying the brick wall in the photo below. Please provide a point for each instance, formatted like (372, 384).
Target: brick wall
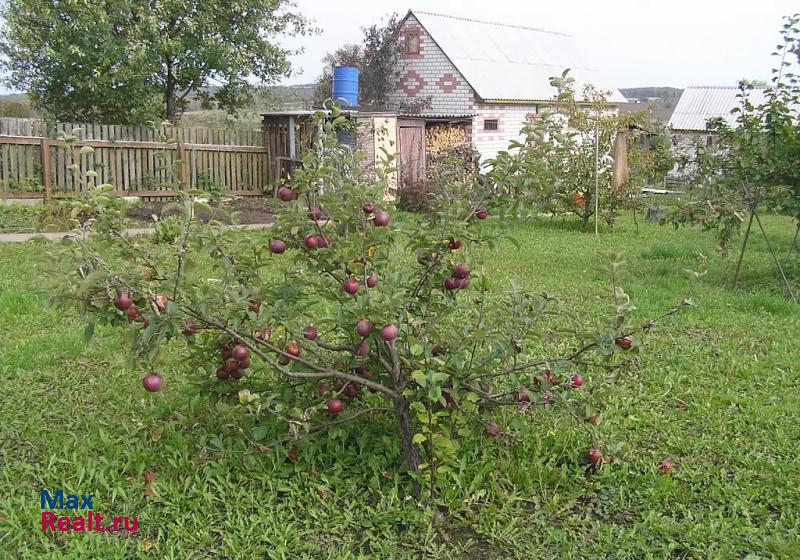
(365, 142)
(510, 119)
(429, 75)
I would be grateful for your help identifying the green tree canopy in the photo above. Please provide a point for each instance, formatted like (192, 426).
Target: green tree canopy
(130, 60)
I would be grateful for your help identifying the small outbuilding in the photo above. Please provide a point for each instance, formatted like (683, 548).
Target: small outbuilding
(290, 134)
(688, 124)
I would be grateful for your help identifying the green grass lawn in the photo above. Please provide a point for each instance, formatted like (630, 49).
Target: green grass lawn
(716, 390)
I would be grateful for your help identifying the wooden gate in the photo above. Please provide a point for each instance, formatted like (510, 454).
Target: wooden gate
(412, 151)
(287, 137)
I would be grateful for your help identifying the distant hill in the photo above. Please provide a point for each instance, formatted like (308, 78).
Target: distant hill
(292, 97)
(16, 105)
(271, 98)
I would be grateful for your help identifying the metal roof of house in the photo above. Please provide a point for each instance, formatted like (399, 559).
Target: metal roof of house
(699, 104)
(506, 62)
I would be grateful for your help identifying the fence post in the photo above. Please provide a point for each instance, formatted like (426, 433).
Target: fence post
(183, 164)
(44, 146)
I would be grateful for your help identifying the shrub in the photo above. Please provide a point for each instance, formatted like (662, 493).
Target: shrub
(454, 171)
(416, 197)
(167, 229)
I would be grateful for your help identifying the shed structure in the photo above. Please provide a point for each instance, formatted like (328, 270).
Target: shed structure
(688, 124)
(289, 134)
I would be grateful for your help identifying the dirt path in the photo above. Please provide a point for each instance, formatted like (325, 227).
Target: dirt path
(22, 237)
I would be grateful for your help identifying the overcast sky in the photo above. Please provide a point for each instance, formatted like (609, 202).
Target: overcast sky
(635, 42)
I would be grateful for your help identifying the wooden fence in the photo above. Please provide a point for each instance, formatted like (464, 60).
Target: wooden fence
(139, 161)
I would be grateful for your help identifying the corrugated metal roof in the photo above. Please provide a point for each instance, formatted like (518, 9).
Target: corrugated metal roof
(699, 104)
(504, 62)
(439, 115)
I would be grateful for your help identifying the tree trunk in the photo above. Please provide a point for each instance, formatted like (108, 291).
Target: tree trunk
(170, 100)
(588, 212)
(410, 452)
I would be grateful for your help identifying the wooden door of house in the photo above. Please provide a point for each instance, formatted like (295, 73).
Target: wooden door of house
(412, 151)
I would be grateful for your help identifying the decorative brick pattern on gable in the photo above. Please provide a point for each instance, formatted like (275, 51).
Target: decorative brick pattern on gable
(448, 83)
(412, 83)
(429, 76)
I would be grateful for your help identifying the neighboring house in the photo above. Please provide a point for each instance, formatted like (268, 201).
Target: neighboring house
(490, 77)
(688, 125)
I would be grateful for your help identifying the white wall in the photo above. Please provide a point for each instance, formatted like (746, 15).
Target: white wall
(510, 119)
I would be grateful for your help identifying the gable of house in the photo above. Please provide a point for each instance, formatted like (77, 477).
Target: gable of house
(428, 83)
(509, 62)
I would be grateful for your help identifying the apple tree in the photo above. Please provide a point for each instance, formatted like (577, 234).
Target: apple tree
(564, 150)
(346, 311)
(755, 162)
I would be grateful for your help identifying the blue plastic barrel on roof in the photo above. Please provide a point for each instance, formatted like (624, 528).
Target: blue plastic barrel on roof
(345, 85)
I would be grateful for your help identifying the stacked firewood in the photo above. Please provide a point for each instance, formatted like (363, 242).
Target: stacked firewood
(444, 137)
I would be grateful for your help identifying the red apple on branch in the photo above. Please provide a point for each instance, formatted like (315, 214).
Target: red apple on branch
(350, 286)
(123, 301)
(240, 352)
(381, 219)
(286, 194)
(364, 327)
(277, 246)
(335, 406)
(389, 333)
(624, 342)
(492, 430)
(161, 302)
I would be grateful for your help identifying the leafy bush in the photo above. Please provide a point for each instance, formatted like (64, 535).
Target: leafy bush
(20, 218)
(416, 197)
(205, 183)
(167, 229)
(454, 171)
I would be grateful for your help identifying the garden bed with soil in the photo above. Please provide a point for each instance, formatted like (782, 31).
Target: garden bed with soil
(249, 210)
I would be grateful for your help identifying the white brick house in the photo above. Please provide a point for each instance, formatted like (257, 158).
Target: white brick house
(492, 75)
